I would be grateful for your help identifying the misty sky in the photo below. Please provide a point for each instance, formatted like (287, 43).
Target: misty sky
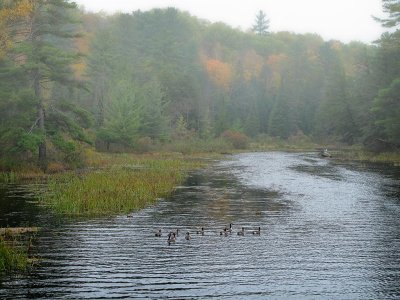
(344, 20)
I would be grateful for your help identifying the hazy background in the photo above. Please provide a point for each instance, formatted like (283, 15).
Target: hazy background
(344, 20)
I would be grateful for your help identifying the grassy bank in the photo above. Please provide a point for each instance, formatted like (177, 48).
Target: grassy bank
(392, 158)
(13, 257)
(118, 184)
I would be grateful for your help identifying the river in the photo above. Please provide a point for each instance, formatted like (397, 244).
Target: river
(329, 230)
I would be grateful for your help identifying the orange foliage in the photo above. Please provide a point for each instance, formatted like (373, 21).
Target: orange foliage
(275, 61)
(237, 139)
(220, 72)
(82, 44)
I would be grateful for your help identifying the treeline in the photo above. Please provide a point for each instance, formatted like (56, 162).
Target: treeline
(131, 81)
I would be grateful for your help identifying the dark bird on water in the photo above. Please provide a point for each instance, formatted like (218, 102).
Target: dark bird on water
(258, 231)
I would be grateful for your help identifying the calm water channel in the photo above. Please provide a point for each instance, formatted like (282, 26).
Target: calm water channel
(328, 230)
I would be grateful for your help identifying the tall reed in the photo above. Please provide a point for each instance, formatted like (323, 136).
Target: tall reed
(12, 258)
(120, 188)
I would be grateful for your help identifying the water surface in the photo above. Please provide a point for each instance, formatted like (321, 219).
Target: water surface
(328, 230)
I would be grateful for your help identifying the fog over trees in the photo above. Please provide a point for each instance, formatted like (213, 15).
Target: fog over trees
(70, 78)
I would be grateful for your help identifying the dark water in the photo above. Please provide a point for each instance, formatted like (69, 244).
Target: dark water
(328, 230)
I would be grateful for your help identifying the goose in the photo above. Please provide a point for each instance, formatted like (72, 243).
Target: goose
(171, 237)
(229, 230)
(241, 232)
(224, 232)
(258, 231)
(158, 233)
(201, 231)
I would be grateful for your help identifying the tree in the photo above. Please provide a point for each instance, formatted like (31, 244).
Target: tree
(262, 24)
(154, 119)
(386, 108)
(48, 62)
(391, 7)
(12, 14)
(101, 68)
(41, 60)
(123, 115)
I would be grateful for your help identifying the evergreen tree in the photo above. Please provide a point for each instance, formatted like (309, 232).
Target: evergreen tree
(391, 7)
(48, 61)
(261, 25)
(386, 108)
(123, 115)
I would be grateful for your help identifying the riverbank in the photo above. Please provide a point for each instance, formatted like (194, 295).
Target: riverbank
(117, 183)
(114, 184)
(391, 158)
(15, 244)
(111, 184)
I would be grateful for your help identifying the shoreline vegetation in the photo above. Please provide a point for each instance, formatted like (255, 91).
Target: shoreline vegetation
(121, 183)
(191, 150)
(117, 183)
(15, 245)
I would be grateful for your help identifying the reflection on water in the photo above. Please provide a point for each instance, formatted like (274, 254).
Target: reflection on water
(328, 230)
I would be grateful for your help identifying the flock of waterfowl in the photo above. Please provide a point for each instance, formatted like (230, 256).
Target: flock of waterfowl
(226, 231)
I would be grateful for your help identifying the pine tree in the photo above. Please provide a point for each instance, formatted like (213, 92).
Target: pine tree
(47, 60)
(36, 73)
(391, 7)
(262, 24)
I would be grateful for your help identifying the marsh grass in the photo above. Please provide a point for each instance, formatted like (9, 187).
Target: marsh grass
(125, 183)
(8, 177)
(12, 257)
(362, 155)
(21, 174)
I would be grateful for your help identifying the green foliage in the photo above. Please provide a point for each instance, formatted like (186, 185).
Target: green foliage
(154, 120)
(391, 7)
(11, 258)
(164, 76)
(123, 115)
(117, 189)
(386, 108)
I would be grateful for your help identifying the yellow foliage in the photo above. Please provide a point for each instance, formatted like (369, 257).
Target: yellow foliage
(79, 69)
(10, 14)
(220, 72)
(82, 44)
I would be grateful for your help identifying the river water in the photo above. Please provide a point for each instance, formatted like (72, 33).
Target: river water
(328, 231)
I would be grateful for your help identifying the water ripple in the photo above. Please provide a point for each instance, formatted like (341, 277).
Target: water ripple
(328, 230)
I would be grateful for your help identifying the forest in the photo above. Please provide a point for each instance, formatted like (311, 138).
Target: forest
(72, 80)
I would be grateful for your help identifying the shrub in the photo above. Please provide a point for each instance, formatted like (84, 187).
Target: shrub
(237, 139)
(145, 144)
